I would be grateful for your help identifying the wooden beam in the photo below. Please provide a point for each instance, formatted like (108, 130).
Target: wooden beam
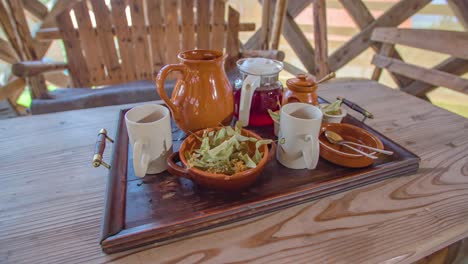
(363, 17)
(31, 68)
(299, 43)
(278, 21)
(443, 41)
(432, 76)
(7, 54)
(266, 25)
(294, 9)
(8, 28)
(393, 17)
(53, 33)
(386, 50)
(452, 65)
(293, 69)
(36, 8)
(460, 9)
(7, 90)
(321, 39)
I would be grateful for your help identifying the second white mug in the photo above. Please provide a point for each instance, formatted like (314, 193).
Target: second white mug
(149, 130)
(298, 144)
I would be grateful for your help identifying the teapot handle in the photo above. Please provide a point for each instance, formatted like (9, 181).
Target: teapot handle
(162, 75)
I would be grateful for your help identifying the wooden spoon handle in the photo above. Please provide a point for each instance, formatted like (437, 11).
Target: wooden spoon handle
(359, 151)
(386, 152)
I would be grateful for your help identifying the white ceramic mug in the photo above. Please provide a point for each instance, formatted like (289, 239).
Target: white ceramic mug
(298, 144)
(149, 130)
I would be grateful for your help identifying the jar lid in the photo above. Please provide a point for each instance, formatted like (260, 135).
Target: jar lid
(301, 84)
(260, 66)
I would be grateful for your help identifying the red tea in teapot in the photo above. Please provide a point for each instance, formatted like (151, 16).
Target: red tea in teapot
(264, 98)
(257, 91)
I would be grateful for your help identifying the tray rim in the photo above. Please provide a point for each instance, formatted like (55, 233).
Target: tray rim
(115, 237)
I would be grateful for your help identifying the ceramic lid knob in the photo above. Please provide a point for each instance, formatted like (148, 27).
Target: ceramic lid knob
(301, 84)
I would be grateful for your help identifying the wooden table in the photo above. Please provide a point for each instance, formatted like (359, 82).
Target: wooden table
(52, 199)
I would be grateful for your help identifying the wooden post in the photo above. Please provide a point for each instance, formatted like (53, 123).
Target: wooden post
(386, 50)
(320, 38)
(460, 9)
(266, 22)
(278, 19)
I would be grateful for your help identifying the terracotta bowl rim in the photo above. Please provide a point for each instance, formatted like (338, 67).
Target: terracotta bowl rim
(348, 155)
(218, 176)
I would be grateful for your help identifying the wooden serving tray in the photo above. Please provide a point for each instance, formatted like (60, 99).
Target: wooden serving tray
(163, 206)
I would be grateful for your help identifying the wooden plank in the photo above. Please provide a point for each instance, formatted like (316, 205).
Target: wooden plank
(266, 25)
(47, 34)
(278, 21)
(9, 30)
(12, 86)
(31, 68)
(172, 38)
(442, 41)
(363, 17)
(399, 220)
(156, 34)
(321, 39)
(140, 40)
(188, 25)
(7, 54)
(124, 38)
(36, 8)
(50, 21)
(37, 83)
(106, 40)
(387, 51)
(432, 76)
(299, 43)
(89, 43)
(76, 61)
(203, 24)
(232, 37)
(452, 65)
(460, 9)
(217, 26)
(393, 17)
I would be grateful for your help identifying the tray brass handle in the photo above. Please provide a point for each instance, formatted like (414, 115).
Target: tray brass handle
(99, 149)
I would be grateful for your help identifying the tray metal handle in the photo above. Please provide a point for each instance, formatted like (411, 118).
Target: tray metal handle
(99, 149)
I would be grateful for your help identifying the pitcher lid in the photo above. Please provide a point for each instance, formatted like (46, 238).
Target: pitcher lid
(301, 83)
(259, 66)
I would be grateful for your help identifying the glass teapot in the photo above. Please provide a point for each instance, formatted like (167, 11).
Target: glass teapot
(257, 90)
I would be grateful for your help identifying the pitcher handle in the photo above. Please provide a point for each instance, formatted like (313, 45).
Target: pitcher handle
(162, 75)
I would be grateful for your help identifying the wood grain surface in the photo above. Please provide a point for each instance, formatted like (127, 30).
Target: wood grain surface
(52, 198)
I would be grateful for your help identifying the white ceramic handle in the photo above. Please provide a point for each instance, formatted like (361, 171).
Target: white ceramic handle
(249, 85)
(141, 159)
(310, 152)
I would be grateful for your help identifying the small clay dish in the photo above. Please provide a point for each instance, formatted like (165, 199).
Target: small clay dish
(216, 181)
(342, 155)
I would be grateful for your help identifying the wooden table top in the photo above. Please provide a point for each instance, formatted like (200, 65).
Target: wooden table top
(52, 199)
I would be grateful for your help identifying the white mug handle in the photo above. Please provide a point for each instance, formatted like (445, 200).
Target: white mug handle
(141, 159)
(310, 152)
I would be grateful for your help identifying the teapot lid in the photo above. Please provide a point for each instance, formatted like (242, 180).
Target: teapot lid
(301, 84)
(259, 66)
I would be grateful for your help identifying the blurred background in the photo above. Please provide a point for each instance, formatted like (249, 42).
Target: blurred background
(341, 28)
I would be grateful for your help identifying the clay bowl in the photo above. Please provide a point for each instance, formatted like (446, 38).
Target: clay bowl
(216, 181)
(342, 155)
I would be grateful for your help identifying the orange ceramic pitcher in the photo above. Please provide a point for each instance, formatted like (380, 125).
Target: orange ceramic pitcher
(203, 97)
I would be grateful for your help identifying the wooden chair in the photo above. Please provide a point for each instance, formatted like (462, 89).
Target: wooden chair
(112, 52)
(454, 43)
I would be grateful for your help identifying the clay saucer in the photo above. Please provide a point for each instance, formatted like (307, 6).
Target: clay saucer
(342, 155)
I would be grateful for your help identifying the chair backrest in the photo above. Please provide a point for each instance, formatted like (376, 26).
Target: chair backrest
(453, 43)
(133, 39)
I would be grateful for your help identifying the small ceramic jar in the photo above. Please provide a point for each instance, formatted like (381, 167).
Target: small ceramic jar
(333, 118)
(300, 89)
